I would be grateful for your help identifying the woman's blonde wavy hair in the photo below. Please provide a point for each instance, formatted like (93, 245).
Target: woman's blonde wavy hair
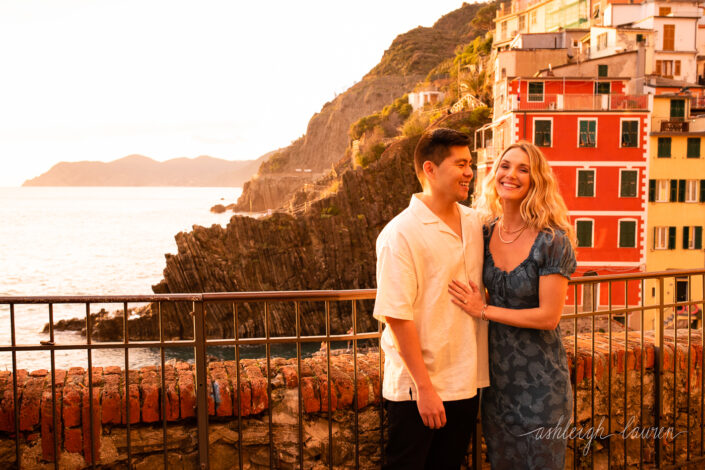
(543, 207)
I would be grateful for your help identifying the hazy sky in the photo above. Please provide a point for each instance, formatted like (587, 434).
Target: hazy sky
(99, 80)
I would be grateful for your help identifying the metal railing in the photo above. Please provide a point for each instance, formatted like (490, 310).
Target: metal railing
(577, 102)
(598, 306)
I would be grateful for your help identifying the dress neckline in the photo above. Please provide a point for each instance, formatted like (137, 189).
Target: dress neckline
(520, 265)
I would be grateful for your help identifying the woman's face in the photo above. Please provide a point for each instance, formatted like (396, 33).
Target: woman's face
(513, 178)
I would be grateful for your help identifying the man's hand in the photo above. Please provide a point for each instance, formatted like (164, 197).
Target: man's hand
(431, 408)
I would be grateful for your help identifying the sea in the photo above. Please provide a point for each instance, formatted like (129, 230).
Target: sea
(90, 241)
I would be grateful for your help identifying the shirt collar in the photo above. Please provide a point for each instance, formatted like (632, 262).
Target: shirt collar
(426, 215)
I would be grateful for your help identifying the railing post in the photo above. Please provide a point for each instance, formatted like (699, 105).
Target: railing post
(658, 368)
(201, 364)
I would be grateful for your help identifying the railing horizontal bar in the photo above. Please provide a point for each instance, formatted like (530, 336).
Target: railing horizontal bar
(291, 339)
(83, 347)
(311, 295)
(638, 275)
(620, 311)
(98, 299)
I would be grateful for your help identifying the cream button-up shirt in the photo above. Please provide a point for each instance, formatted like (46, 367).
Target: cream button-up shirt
(417, 257)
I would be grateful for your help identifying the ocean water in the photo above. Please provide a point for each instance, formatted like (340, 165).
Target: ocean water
(90, 241)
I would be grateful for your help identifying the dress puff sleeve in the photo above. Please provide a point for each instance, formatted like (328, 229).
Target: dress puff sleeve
(558, 255)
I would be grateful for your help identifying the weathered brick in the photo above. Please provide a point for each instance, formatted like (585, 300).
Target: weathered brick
(363, 392)
(259, 395)
(47, 424)
(187, 394)
(323, 390)
(73, 440)
(30, 400)
(150, 390)
(133, 401)
(91, 444)
(172, 401)
(310, 395)
(71, 405)
(111, 400)
(245, 399)
(291, 378)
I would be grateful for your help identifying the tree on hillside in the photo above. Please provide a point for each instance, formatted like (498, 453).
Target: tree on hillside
(484, 17)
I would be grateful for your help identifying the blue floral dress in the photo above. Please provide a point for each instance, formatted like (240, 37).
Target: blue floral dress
(530, 383)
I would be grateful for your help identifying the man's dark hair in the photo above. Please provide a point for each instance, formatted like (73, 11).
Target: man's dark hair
(434, 146)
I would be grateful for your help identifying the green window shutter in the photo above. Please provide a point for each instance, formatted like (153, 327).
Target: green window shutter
(671, 238)
(652, 190)
(677, 108)
(681, 190)
(674, 191)
(584, 232)
(686, 233)
(586, 183)
(601, 70)
(664, 147)
(587, 133)
(542, 133)
(629, 133)
(702, 190)
(698, 237)
(627, 234)
(693, 147)
(628, 184)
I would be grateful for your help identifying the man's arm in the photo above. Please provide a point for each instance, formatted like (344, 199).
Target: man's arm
(407, 343)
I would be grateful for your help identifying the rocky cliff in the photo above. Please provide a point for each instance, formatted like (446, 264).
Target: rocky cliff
(331, 245)
(407, 61)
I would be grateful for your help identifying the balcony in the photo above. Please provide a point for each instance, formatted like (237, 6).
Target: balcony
(570, 102)
(673, 125)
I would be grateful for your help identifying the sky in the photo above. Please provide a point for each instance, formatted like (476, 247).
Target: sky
(101, 79)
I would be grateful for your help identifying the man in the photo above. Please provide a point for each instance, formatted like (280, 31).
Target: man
(435, 354)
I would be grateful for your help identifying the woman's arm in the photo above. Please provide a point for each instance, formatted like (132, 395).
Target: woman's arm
(552, 291)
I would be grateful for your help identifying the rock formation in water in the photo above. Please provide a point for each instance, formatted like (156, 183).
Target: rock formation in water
(407, 61)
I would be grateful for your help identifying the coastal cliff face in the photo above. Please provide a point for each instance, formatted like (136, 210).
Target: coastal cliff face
(407, 61)
(329, 246)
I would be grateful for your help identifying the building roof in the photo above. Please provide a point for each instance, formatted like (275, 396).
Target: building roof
(656, 81)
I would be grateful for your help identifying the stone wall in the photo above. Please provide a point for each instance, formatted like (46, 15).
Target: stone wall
(605, 420)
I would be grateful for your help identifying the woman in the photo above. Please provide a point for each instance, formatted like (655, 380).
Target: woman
(528, 260)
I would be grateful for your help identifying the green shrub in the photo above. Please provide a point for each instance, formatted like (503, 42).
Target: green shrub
(415, 125)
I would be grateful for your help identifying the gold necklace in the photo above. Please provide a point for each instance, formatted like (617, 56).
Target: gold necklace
(499, 233)
(501, 222)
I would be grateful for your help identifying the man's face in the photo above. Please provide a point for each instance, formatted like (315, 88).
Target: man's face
(452, 177)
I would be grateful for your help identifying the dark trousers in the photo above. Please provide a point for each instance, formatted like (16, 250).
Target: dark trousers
(411, 445)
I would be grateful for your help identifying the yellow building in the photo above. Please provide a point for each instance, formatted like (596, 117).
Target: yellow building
(676, 207)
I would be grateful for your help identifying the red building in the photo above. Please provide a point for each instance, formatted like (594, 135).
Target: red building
(595, 138)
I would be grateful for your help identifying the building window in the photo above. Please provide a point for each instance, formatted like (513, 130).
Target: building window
(587, 132)
(640, 38)
(522, 22)
(664, 238)
(693, 147)
(586, 183)
(630, 133)
(677, 109)
(668, 68)
(691, 191)
(692, 238)
(533, 17)
(627, 234)
(664, 147)
(669, 34)
(627, 183)
(664, 11)
(660, 238)
(535, 91)
(602, 70)
(677, 191)
(602, 41)
(702, 190)
(503, 30)
(662, 191)
(542, 132)
(583, 229)
(602, 88)
(575, 44)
